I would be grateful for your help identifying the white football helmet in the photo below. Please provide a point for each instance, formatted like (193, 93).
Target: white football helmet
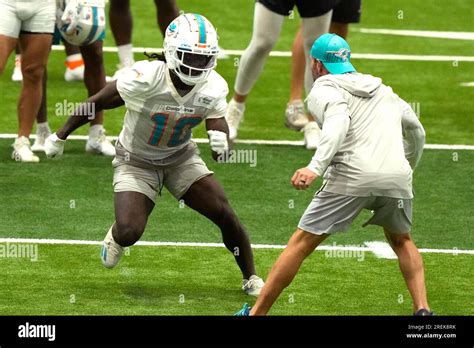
(81, 22)
(191, 48)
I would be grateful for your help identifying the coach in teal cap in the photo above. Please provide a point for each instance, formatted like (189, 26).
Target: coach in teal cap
(334, 52)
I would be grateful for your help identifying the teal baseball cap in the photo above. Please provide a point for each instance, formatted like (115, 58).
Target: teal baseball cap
(334, 52)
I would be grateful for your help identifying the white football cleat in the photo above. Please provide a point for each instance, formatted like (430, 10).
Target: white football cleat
(22, 151)
(41, 136)
(17, 75)
(76, 74)
(111, 252)
(253, 286)
(312, 135)
(295, 116)
(53, 146)
(233, 116)
(100, 145)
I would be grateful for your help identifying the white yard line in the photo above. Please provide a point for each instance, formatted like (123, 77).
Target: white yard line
(452, 35)
(467, 84)
(370, 248)
(261, 142)
(381, 250)
(376, 56)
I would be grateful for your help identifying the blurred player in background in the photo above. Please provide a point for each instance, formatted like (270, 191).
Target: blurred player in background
(89, 15)
(371, 141)
(17, 75)
(31, 24)
(121, 23)
(74, 64)
(165, 99)
(268, 20)
(346, 11)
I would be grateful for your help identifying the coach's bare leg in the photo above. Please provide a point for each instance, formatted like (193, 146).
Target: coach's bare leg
(35, 50)
(7, 45)
(300, 245)
(411, 265)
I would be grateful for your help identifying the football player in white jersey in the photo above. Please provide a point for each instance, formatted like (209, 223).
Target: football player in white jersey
(31, 25)
(165, 99)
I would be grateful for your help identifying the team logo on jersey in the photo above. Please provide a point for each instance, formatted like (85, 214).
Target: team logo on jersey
(203, 100)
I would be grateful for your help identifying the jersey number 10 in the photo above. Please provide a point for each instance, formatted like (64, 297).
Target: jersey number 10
(181, 131)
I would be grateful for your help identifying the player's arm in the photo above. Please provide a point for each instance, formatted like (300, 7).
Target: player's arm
(335, 116)
(218, 133)
(106, 98)
(413, 134)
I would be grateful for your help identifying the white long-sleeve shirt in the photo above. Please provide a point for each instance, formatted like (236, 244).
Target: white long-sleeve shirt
(370, 138)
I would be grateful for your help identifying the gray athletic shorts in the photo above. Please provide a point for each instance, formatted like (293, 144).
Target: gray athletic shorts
(177, 174)
(30, 16)
(330, 212)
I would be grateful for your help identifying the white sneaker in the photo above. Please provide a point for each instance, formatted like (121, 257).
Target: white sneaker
(295, 116)
(22, 151)
(111, 252)
(253, 286)
(17, 75)
(76, 74)
(312, 135)
(41, 136)
(100, 145)
(234, 116)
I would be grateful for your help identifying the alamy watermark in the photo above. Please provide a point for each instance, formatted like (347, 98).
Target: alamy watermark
(346, 251)
(19, 250)
(66, 108)
(239, 156)
(28, 330)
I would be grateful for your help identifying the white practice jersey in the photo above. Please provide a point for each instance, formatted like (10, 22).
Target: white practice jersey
(158, 121)
(370, 139)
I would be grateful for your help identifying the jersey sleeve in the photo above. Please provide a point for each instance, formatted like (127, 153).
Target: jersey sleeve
(330, 109)
(413, 134)
(326, 101)
(220, 105)
(133, 85)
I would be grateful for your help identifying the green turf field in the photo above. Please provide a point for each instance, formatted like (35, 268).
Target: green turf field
(72, 198)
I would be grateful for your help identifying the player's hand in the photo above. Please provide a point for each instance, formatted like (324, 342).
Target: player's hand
(218, 141)
(53, 146)
(303, 178)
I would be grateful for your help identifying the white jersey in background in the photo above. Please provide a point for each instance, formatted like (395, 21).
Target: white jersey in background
(371, 139)
(158, 120)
